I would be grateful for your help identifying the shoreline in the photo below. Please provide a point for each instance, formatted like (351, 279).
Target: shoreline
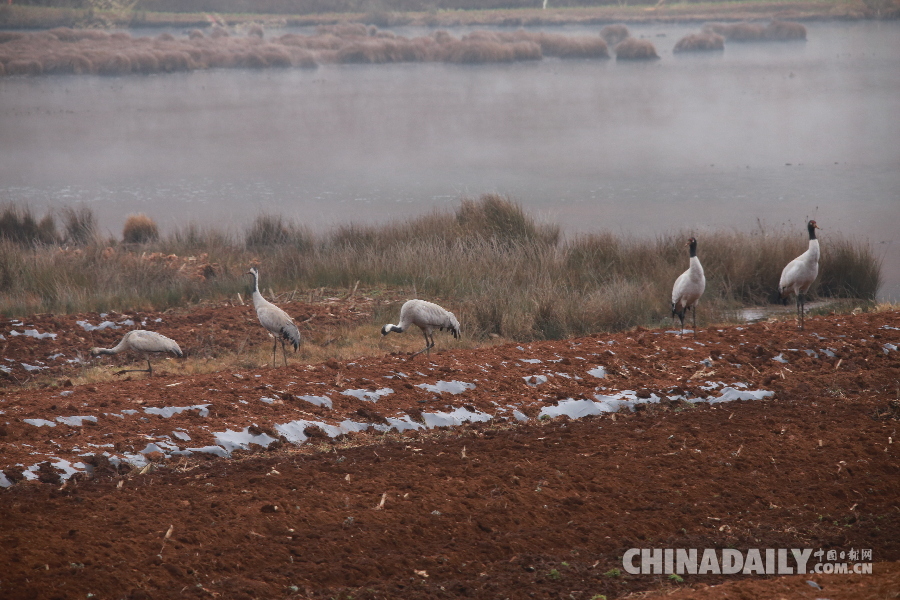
(32, 18)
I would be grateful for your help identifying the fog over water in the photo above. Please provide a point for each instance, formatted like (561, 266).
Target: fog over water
(775, 132)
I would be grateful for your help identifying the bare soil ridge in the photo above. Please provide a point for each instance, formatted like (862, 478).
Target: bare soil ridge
(500, 508)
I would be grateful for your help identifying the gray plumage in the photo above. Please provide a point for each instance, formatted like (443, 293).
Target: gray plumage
(428, 317)
(688, 288)
(276, 321)
(142, 342)
(799, 274)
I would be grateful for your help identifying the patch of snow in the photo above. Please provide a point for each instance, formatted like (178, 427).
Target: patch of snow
(454, 387)
(367, 395)
(318, 400)
(86, 325)
(34, 333)
(455, 417)
(535, 380)
(76, 421)
(169, 411)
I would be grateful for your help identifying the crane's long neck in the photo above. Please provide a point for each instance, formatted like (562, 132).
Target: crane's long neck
(695, 265)
(813, 251)
(114, 350)
(257, 297)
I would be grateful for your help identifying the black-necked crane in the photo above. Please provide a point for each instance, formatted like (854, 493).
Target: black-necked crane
(278, 323)
(688, 288)
(142, 342)
(428, 317)
(800, 273)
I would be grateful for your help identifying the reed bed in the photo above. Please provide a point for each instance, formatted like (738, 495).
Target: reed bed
(74, 51)
(499, 270)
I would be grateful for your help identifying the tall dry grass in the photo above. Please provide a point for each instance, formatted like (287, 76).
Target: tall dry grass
(493, 264)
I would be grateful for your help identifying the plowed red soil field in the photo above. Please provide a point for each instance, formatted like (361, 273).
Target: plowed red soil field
(515, 471)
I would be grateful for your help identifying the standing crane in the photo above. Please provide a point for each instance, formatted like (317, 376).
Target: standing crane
(800, 273)
(688, 288)
(144, 343)
(428, 317)
(279, 324)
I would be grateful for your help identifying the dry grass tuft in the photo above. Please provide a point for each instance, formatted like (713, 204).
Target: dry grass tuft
(736, 32)
(635, 49)
(613, 34)
(784, 31)
(80, 225)
(19, 225)
(139, 229)
(273, 230)
(700, 42)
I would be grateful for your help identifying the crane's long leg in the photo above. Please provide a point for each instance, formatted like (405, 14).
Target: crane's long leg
(802, 311)
(694, 314)
(274, 348)
(149, 370)
(425, 333)
(283, 352)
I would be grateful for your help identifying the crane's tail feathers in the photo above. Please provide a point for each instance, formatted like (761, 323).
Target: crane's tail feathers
(292, 335)
(677, 310)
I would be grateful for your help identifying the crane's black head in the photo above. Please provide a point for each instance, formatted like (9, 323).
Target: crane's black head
(693, 246)
(811, 227)
(253, 271)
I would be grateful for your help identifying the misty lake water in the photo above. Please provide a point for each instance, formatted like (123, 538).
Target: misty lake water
(771, 133)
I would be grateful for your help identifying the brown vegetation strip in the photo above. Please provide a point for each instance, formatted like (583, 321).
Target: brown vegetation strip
(70, 51)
